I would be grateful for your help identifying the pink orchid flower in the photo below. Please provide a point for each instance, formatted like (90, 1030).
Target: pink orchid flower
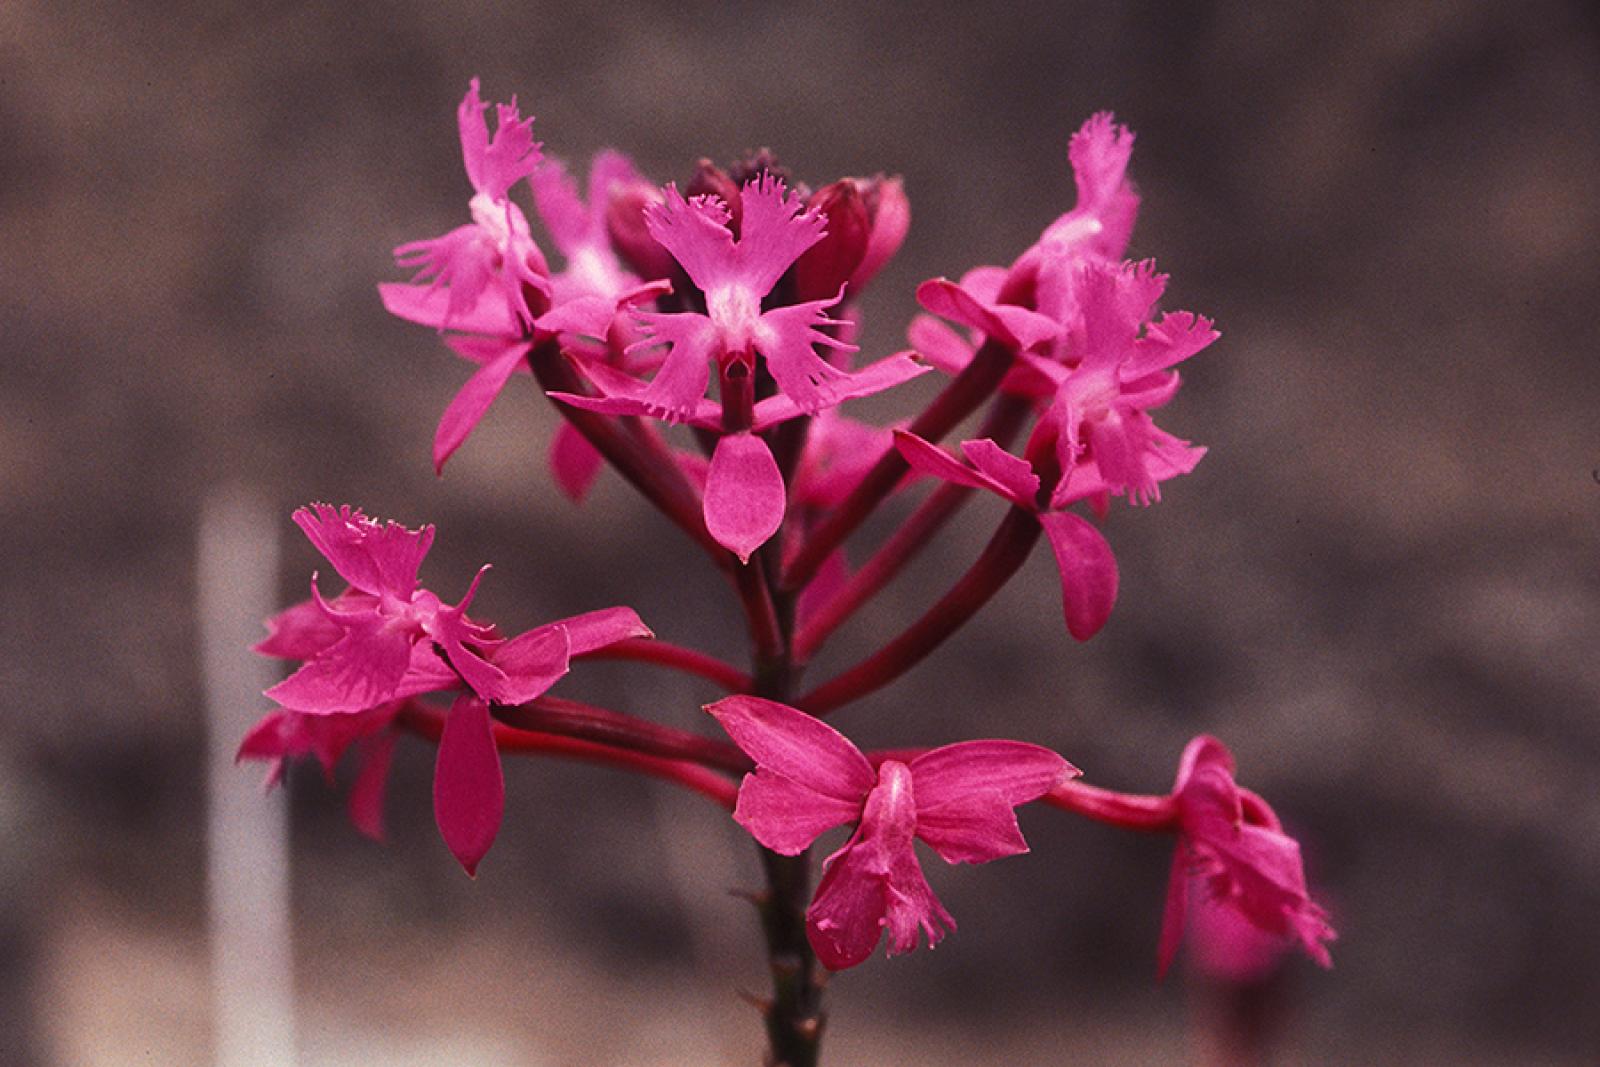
(735, 275)
(489, 280)
(1232, 846)
(384, 639)
(1105, 440)
(1083, 557)
(495, 253)
(809, 778)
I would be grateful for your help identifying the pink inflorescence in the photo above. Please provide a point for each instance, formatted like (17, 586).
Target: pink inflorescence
(702, 342)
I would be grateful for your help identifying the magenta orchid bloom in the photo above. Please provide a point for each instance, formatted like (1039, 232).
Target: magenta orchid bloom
(489, 280)
(736, 275)
(494, 255)
(1087, 567)
(809, 778)
(1106, 443)
(385, 638)
(1232, 845)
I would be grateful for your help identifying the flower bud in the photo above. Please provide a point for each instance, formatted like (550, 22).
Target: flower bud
(711, 180)
(832, 261)
(890, 213)
(629, 236)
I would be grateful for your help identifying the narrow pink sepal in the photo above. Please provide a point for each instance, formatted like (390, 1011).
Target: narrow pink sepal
(786, 815)
(365, 804)
(1015, 770)
(596, 629)
(931, 459)
(745, 495)
(1017, 327)
(1088, 571)
(795, 745)
(531, 663)
(469, 790)
(974, 828)
(430, 305)
(1172, 912)
(461, 417)
(874, 378)
(574, 462)
(938, 343)
(1015, 475)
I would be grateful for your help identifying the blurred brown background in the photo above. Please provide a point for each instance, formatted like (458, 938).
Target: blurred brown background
(1382, 587)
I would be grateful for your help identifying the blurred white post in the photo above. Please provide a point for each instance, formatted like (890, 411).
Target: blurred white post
(247, 838)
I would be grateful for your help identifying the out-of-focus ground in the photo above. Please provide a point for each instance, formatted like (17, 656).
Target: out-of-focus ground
(1382, 586)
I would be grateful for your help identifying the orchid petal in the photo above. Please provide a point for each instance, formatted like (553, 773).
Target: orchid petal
(938, 343)
(574, 462)
(360, 671)
(374, 558)
(461, 417)
(1015, 771)
(974, 828)
(365, 804)
(596, 629)
(1014, 326)
(745, 495)
(786, 815)
(469, 791)
(531, 663)
(1172, 914)
(1021, 484)
(931, 459)
(432, 305)
(796, 745)
(1088, 571)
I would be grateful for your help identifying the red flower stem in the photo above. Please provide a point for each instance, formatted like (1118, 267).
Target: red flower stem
(902, 546)
(666, 654)
(1127, 811)
(654, 474)
(1001, 426)
(960, 398)
(760, 611)
(571, 718)
(1006, 551)
(429, 723)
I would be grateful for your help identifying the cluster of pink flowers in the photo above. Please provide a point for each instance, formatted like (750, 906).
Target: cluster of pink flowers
(729, 308)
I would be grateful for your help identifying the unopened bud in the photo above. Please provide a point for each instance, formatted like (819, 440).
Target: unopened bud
(629, 235)
(710, 179)
(890, 213)
(834, 260)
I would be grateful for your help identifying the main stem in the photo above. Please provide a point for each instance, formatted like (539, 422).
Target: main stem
(794, 1017)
